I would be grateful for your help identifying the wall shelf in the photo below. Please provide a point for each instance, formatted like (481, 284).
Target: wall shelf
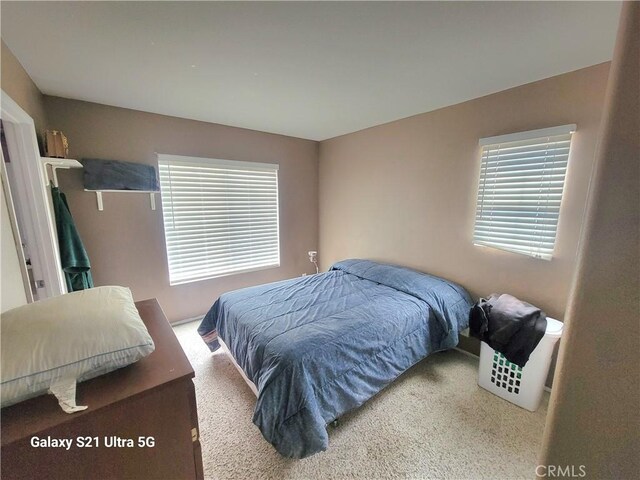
(151, 193)
(66, 163)
(55, 164)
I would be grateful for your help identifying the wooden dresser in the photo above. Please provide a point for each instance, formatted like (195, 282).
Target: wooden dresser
(151, 402)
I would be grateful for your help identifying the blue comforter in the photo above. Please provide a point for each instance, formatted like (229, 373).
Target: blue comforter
(319, 346)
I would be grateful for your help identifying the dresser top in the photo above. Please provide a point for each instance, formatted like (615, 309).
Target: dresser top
(166, 364)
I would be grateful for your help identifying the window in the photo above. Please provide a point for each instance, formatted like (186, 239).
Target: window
(521, 183)
(220, 216)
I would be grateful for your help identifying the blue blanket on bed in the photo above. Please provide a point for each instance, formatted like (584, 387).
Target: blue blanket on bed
(319, 346)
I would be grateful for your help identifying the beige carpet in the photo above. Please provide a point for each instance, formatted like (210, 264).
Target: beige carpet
(433, 422)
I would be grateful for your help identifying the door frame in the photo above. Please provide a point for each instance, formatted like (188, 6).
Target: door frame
(31, 193)
(15, 232)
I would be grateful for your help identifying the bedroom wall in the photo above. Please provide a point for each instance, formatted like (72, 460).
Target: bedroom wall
(18, 85)
(125, 242)
(405, 192)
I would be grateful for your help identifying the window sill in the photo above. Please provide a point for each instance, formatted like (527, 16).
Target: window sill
(225, 274)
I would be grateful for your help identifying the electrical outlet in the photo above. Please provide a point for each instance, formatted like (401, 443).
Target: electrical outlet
(313, 258)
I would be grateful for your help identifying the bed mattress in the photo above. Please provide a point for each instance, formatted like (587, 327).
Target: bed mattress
(319, 346)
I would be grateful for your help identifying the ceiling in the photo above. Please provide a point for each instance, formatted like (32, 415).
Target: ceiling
(314, 70)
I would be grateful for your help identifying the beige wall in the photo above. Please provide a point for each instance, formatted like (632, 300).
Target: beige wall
(405, 192)
(125, 242)
(19, 86)
(593, 419)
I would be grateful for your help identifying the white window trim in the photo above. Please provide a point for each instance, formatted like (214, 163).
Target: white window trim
(529, 135)
(568, 129)
(214, 162)
(199, 161)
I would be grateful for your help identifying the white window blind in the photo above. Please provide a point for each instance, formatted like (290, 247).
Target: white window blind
(520, 192)
(220, 216)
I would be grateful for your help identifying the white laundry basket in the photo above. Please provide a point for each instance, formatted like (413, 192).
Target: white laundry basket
(522, 386)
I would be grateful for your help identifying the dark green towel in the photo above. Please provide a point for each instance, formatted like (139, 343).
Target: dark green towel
(73, 256)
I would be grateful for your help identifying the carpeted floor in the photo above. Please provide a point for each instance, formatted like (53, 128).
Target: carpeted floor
(433, 422)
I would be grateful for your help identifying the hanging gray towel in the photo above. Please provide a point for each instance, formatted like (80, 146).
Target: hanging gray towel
(117, 175)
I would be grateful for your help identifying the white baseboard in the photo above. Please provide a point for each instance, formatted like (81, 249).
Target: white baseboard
(467, 353)
(188, 320)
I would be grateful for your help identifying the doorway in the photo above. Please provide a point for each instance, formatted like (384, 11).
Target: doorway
(28, 203)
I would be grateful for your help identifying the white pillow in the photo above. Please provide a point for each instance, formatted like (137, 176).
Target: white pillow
(68, 338)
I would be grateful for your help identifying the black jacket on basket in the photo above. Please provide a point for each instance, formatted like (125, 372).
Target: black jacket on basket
(508, 325)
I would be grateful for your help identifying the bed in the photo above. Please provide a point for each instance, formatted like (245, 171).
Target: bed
(318, 346)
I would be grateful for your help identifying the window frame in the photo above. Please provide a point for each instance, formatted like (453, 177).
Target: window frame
(202, 162)
(509, 223)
